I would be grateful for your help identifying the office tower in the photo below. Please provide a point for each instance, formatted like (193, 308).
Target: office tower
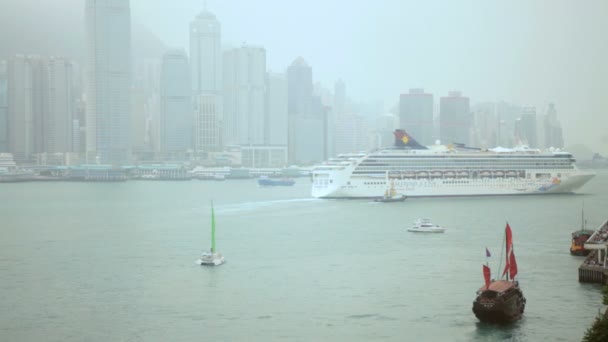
(527, 127)
(299, 84)
(416, 115)
(553, 129)
(454, 118)
(108, 41)
(206, 54)
(21, 108)
(176, 116)
(350, 134)
(244, 95)
(3, 107)
(207, 123)
(308, 119)
(58, 118)
(277, 125)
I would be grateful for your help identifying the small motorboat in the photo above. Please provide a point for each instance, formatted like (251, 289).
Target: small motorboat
(393, 198)
(425, 226)
(391, 195)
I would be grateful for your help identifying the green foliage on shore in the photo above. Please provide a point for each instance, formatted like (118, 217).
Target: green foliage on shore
(598, 332)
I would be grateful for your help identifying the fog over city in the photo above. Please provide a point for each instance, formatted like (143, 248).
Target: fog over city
(528, 53)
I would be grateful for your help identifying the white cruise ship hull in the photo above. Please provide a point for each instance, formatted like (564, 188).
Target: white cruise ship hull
(349, 187)
(413, 170)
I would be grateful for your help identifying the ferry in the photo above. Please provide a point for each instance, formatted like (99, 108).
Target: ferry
(427, 171)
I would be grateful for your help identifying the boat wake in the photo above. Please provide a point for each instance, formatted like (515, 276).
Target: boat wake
(251, 206)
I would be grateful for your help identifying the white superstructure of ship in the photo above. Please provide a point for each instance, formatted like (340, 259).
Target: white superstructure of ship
(438, 170)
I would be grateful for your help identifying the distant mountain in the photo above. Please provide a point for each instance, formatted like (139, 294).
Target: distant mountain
(56, 28)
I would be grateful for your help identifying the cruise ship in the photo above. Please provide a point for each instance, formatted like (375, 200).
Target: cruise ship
(438, 170)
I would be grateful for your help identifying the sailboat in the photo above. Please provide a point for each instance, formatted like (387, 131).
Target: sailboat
(581, 236)
(501, 301)
(211, 257)
(391, 195)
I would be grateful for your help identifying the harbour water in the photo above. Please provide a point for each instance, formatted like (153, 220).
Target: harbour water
(116, 262)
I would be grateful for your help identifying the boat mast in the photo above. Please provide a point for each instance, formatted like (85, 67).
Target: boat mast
(212, 229)
(583, 216)
(501, 251)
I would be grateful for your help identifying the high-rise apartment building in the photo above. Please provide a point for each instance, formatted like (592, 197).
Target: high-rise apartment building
(416, 115)
(244, 95)
(176, 116)
(108, 41)
(40, 106)
(455, 118)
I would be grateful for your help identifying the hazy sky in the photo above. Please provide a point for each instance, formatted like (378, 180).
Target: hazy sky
(524, 51)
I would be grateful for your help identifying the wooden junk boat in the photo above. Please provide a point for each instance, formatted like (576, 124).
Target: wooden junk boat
(579, 237)
(501, 301)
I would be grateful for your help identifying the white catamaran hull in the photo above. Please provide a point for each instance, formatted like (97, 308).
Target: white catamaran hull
(208, 259)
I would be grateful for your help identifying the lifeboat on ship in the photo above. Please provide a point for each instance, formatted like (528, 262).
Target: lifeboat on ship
(498, 174)
(422, 174)
(450, 174)
(463, 174)
(409, 175)
(511, 174)
(436, 174)
(485, 174)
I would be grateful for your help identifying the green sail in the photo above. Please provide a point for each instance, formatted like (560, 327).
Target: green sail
(212, 230)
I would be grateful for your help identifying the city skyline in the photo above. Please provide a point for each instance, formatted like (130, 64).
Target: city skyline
(513, 51)
(205, 37)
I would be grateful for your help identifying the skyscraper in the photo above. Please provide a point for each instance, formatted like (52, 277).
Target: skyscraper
(308, 124)
(455, 118)
(59, 115)
(21, 108)
(207, 135)
(206, 54)
(244, 95)
(3, 107)
(339, 99)
(276, 128)
(40, 106)
(176, 103)
(527, 127)
(108, 36)
(299, 83)
(416, 115)
(553, 129)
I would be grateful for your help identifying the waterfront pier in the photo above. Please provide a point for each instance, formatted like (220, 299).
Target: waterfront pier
(595, 267)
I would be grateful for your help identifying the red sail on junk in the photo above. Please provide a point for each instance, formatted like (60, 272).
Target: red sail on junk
(511, 264)
(486, 275)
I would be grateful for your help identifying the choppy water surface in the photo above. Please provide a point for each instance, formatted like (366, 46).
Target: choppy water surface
(115, 262)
